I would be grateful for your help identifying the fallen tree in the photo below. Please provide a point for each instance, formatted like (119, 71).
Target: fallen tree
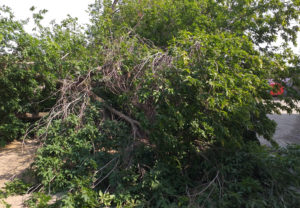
(152, 105)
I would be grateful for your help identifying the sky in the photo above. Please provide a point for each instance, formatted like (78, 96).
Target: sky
(59, 9)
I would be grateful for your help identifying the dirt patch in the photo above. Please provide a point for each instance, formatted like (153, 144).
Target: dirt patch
(15, 159)
(16, 201)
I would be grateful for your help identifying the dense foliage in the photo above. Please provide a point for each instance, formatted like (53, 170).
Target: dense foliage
(154, 103)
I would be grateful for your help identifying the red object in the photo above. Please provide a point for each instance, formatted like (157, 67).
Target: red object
(278, 89)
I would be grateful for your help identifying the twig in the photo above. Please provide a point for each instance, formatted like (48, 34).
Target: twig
(94, 185)
(62, 58)
(210, 183)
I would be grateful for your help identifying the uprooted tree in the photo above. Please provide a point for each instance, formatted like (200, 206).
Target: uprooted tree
(155, 103)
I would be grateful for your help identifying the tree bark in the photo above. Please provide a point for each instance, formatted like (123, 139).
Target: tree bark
(32, 116)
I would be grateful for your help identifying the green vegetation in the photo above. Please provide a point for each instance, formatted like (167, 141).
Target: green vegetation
(154, 103)
(15, 187)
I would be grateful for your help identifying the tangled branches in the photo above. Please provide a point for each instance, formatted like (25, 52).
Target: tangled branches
(124, 71)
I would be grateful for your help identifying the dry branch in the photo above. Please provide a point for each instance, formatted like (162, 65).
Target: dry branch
(32, 116)
(135, 125)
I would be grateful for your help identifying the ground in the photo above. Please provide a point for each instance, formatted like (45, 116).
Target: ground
(15, 159)
(287, 130)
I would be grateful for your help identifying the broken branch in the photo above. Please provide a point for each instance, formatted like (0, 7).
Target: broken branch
(32, 116)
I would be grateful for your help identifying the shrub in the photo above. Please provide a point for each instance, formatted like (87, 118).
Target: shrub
(252, 176)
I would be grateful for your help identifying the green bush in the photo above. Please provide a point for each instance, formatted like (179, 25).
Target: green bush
(253, 176)
(16, 187)
(30, 68)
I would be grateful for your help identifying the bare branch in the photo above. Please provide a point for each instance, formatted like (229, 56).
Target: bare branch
(32, 116)
(114, 4)
(134, 124)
